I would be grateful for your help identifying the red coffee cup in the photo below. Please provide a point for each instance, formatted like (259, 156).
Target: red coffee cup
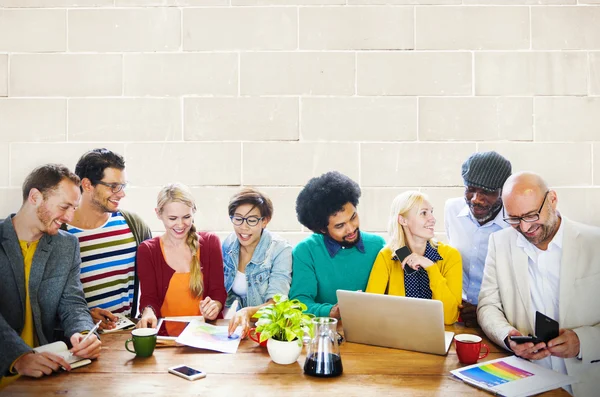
(255, 336)
(468, 348)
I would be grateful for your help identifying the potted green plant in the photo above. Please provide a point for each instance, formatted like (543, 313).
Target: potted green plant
(283, 324)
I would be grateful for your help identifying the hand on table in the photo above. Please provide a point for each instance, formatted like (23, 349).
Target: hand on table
(335, 312)
(40, 364)
(148, 319)
(241, 319)
(209, 308)
(468, 313)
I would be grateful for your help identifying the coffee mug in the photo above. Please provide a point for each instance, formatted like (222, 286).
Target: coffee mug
(468, 348)
(144, 341)
(255, 336)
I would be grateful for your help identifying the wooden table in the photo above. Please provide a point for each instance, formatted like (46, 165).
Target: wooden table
(368, 370)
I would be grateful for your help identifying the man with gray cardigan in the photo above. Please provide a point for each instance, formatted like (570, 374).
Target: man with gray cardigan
(39, 277)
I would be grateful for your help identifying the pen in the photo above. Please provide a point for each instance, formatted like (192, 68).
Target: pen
(90, 333)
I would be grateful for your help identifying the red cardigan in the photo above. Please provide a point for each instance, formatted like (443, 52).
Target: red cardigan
(155, 274)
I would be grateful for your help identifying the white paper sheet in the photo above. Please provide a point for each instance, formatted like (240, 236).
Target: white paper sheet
(512, 377)
(206, 336)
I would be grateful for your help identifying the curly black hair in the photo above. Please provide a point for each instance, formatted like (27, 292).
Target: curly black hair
(323, 197)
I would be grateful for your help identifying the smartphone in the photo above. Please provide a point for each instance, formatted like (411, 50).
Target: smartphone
(546, 328)
(520, 339)
(186, 372)
(401, 254)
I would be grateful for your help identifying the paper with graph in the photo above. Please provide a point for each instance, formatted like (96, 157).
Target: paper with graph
(512, 377)
(201, 335)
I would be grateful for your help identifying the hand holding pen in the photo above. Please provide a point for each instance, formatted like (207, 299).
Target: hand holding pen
(109, 320)
(87, 346)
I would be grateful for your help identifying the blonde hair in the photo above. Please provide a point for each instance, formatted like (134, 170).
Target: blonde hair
(402, 205)
(179, 193)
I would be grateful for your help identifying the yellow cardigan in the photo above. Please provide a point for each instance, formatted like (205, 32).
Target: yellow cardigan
(445, 278)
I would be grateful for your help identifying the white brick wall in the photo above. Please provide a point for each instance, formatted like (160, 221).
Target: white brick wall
(222, 93)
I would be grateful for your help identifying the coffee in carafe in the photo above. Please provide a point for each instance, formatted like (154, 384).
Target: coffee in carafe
(323, 358)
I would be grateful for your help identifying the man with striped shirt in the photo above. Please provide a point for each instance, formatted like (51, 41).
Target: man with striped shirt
(108, 237)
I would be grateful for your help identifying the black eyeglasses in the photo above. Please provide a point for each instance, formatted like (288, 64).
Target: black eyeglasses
(251, 220)
(114, 187)
(515, 220)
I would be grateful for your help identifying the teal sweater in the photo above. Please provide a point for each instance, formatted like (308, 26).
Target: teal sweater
(316, 276)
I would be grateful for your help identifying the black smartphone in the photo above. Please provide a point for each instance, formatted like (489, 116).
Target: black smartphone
(520, 339)
(401, 254)
(546, 328)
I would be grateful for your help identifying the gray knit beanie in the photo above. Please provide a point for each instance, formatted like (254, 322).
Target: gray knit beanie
(486, 170)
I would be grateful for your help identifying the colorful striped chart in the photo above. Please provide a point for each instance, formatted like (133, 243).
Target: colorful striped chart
(495, 374)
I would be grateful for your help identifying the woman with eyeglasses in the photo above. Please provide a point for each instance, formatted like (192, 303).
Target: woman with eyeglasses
(428, 269)
(180, 272)
(257, 263)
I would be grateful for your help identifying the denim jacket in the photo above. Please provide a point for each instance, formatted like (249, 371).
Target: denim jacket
(269, 272)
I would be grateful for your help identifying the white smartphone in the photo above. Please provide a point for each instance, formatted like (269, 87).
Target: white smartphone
(186, 372)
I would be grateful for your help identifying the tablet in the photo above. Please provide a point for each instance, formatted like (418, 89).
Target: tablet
(170, 329)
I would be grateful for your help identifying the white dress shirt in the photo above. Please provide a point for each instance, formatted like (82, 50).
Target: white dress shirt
(544, 286)
(471, 239)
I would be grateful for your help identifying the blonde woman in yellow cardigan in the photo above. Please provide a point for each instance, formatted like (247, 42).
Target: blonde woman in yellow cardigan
(437, 267)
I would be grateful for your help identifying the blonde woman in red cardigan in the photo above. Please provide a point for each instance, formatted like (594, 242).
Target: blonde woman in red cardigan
(180, 272)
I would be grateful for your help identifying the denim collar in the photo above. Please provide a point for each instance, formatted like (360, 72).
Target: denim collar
(260, 252)
(333, 247)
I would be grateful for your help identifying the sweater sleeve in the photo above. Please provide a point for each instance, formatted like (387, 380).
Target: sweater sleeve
(446, 283)
(304, 284)
(213, 270)
(380, 274)
(148, 272)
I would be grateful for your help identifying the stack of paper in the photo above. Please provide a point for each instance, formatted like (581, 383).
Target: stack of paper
(512, 377)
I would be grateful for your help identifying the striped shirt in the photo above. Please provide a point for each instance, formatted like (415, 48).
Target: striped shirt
(108, 264)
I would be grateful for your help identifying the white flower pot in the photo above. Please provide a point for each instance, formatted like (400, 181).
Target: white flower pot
(284, 352)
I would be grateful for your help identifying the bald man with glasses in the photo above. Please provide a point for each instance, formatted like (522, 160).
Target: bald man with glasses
(108, 236)
(547, 263)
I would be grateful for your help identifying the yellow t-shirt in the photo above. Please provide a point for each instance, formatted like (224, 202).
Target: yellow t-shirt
(28, 333)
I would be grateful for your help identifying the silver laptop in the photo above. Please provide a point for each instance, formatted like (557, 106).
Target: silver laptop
(394, 321)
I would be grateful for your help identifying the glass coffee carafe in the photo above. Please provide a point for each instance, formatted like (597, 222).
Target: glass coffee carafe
(323, 357)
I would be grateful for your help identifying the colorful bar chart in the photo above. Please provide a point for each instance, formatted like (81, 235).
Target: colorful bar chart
(495, 374)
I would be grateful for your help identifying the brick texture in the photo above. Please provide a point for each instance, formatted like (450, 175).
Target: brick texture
(220, 94)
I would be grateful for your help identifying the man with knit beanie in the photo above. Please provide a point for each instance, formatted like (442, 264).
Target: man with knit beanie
(470, 220)
(338, 255)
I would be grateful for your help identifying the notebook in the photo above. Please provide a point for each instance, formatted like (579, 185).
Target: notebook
(394, 321)
(122, 323)
(60, 348)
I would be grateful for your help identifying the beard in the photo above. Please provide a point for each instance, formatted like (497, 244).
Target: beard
(547, 230)
(489, 215)
(45, 217)
(350, 244)
(101, 205)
